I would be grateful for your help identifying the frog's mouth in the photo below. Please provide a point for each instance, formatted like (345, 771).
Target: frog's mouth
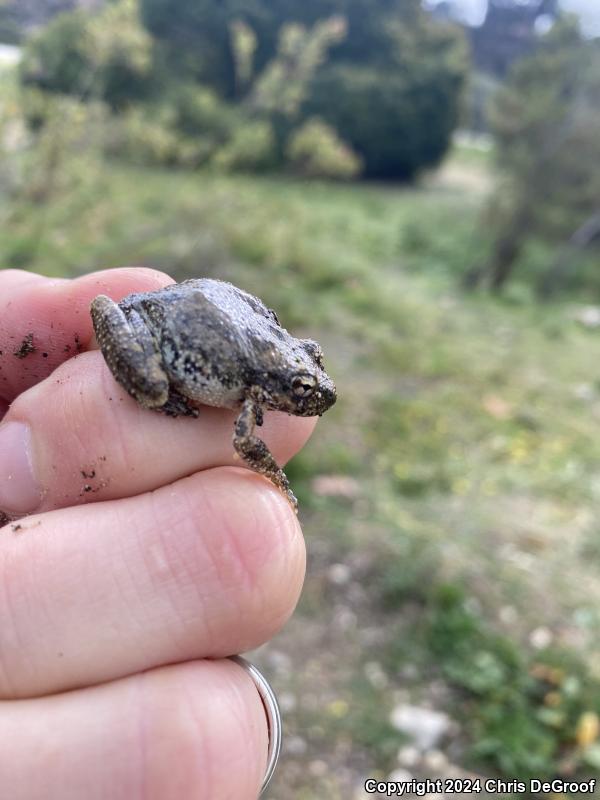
(318, 402)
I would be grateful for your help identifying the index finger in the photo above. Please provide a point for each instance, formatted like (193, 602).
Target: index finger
(45, 321)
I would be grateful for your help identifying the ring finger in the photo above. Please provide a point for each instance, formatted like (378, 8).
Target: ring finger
(195, 730)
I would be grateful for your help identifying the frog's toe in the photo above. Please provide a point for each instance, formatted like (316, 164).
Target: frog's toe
(293, 500)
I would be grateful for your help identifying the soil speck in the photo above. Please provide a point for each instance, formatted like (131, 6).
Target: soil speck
(26, 347)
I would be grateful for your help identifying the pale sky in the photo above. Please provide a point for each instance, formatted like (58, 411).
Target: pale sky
(473, 12)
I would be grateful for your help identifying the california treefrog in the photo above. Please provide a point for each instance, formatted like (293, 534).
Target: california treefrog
(207, 342)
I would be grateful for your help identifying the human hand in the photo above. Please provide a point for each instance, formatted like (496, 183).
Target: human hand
(145, 558)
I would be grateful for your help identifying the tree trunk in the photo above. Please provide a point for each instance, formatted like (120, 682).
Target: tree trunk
(582, 238)
(474, 276)
(506, 250)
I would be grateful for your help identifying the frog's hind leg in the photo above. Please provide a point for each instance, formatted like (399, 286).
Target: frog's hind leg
(130, 352)
(255, 452)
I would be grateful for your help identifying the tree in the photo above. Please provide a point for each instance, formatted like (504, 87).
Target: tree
(105, 55)
(385, 78)
(399, 115)
(546, 122)
(196, 32)
(10, 32)
(196, 40)
(283, 85)
(18, 17)
(586, 234)
(508, 33)
(391, 87)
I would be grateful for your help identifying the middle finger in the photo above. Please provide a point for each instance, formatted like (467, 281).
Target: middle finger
(206, 567)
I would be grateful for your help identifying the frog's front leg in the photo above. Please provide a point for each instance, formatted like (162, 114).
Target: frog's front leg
(255, 452)
(178, 406)
(130, 352)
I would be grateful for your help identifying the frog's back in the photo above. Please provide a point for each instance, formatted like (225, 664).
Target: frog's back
(205, 330)
(224, 297)
(232, 301)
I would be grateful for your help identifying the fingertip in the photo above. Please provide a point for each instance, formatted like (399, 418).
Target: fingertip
(255, 537)
(249, 509)
(52, 316)
(119, 281)
(16, 278)
(286, 435)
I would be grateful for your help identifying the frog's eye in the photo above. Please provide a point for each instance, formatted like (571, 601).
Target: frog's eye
(303, 385)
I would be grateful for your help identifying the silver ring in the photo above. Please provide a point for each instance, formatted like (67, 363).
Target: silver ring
(267, 695)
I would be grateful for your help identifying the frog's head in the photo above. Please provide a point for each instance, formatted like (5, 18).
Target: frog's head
(308, 390)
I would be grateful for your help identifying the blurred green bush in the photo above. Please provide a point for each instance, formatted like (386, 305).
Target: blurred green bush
(246, 79)
(316, 151)
(104, 56)
(252, 148)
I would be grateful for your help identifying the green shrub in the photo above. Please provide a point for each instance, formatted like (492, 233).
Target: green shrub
(252, 147)
(121, 53)
(284, 84)
(395, 125)
(187, 128)
(14, 138)
(316, 151)
(195, 39)
(148, 135)
(385, 76)
(522, 712)
(198, 111)
(64, 154)
(107, 55)
(56, 59)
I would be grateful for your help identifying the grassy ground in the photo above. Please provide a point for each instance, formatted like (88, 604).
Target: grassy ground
(448, 498)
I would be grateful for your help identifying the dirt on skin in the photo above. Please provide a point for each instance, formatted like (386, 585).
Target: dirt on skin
(19, 528)
(26, 347)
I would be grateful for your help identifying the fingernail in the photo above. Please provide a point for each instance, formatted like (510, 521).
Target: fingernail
(19, 491)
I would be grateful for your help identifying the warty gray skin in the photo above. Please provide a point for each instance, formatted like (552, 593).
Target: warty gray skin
(206, 342)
